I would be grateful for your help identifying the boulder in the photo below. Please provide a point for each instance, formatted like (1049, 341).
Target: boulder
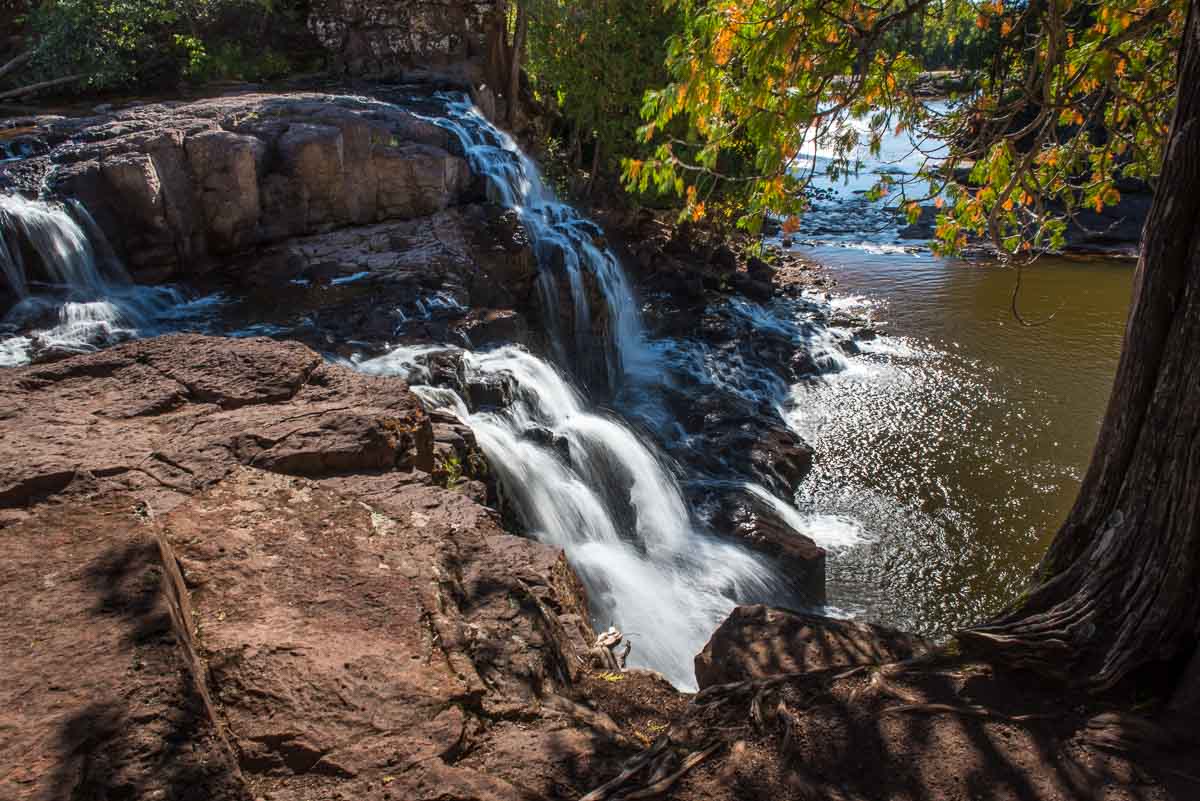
(759, 641)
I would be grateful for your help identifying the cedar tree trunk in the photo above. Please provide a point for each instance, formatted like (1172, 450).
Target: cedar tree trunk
(1118, 592)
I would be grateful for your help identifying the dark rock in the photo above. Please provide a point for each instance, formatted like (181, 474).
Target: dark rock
(771, 454)
(749, 519)
(758, 641)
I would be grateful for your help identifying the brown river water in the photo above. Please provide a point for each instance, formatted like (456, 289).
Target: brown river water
(958, 440)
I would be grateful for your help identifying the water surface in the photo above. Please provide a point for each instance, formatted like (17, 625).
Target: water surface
(958, 439)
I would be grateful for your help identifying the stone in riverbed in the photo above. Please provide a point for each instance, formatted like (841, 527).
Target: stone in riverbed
(759, 641)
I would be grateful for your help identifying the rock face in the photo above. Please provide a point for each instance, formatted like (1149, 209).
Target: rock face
(758, 641)
(377, 39)
(178, 187)
(175, 414)
(232, 573)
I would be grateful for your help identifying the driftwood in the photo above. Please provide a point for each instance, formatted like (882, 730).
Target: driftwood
(34, 88)
(603, 653)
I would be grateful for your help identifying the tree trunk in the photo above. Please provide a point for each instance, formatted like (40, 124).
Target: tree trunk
(591, 184)
(497, 48)
(1119, 588)
(514, 76)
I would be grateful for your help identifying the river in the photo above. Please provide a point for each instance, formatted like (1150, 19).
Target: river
(958, 440)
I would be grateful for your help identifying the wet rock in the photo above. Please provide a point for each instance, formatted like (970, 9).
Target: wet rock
(495, 327)
(744, 516)
(769, 453)
(759, 641)
(491, 391)
(548, 439)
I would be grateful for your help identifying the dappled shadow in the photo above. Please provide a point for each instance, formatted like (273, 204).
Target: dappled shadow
(918, 731)
(149, 735)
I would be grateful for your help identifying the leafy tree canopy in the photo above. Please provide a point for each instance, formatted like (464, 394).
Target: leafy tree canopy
(1072, 97)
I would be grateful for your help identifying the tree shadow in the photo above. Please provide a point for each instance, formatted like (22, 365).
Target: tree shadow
(150, 735)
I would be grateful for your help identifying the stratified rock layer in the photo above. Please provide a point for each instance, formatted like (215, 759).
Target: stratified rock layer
(180, 186)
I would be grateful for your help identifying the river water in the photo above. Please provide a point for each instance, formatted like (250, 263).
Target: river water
(956, 441)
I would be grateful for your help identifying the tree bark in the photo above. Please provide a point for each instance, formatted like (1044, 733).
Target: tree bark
(497, 56)
(1120, 584)
(591, 184)
(514, 76)
(14, 63)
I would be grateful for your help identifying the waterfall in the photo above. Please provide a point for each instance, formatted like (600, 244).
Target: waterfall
(587, 483)
(71, 300)
(559, 233)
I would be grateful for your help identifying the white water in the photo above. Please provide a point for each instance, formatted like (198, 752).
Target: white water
(578, 478)
(559, 234)
(609, 499)
(586, 481)
(87, 300)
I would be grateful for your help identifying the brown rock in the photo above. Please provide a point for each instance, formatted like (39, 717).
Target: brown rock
(758, 641)
(174, 185)
(101, 695)
(186, 624)
(173, 415)
(225, 166)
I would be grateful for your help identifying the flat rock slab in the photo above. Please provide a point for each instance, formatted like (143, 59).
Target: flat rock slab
(346, 651)
(167, 417)
(759, 641)
(99, 697)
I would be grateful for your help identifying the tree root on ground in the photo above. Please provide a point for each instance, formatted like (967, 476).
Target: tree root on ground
(661, 777)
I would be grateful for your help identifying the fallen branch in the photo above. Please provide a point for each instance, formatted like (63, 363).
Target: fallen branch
(16, 62)
(631, 767)
(37, 87)
(968, 711)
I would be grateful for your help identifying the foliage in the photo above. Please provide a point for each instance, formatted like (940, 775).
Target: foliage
(121, 44)
(593, 60)
(1075, 97)
(112, 42)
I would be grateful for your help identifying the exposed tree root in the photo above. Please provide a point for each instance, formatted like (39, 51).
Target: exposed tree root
(661, 777)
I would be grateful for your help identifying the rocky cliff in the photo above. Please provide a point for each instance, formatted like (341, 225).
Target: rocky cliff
(230, 573)
(376, 39)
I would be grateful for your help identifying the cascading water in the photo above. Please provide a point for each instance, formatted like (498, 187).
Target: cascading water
(588, 484)
(582, 480)
(76, 301)
(559, 233)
